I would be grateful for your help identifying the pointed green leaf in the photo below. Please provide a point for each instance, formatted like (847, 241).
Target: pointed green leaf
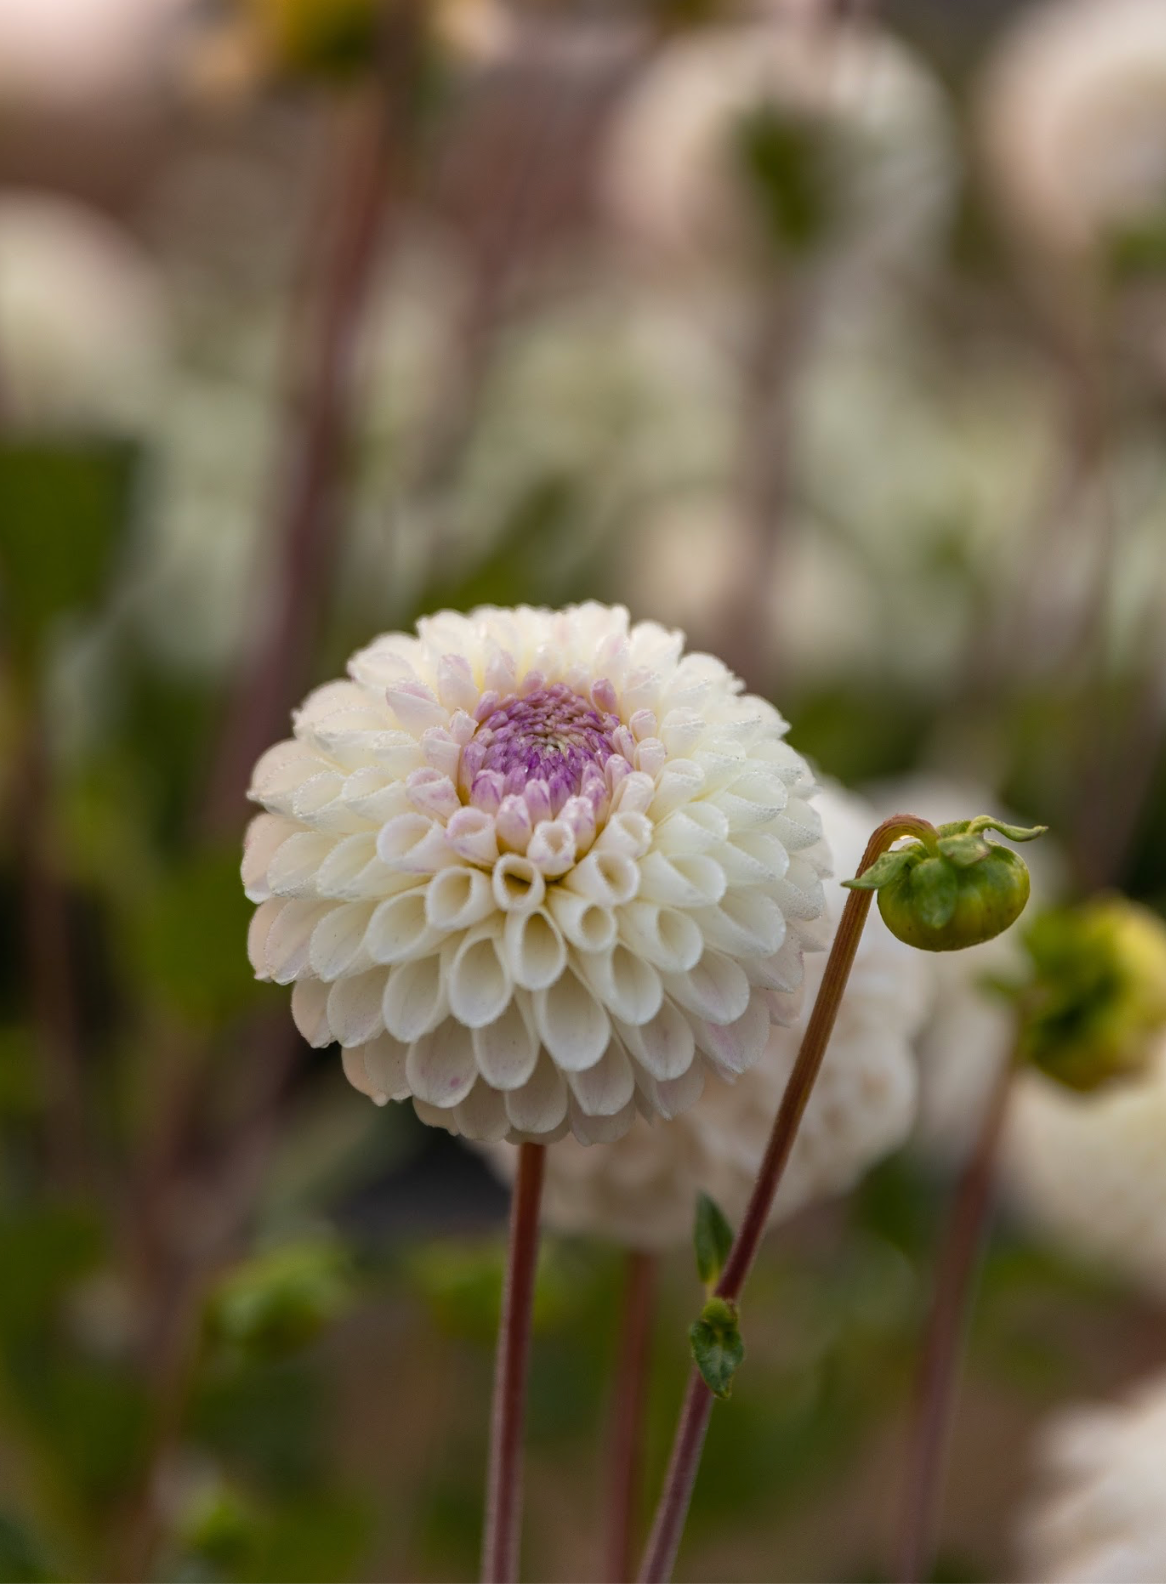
(964, 851)
(1016, 833)
(934, 891)
(712, 1237)
(717, 1347)
(885, 869)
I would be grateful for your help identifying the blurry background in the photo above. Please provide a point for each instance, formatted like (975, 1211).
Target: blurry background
(831, 333)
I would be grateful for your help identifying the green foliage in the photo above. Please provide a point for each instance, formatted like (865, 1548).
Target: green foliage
(277, 1302)
(712, 1238)
(64, 505)
(716, 1344)
(781, 159)
(22, 1559)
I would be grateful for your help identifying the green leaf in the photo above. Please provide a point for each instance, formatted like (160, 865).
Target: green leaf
(1016, 833)
(281, 1300)
(712, 1237)
(934, 891)
(964, 851)
(716, 1344)
(885, 869)
(63, 507)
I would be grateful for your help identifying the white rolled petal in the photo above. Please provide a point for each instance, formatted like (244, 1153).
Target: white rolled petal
(746, 924)
(534, 949)
(415, 843)
(629, 835)
(665, 1046)
(288, 940)
(440, 1066)
(606, 1088)
(337, 942)
(635, 794)
(783, 972)
(586, 924)
(433, 793)
(752, 858)
(351, 870)
(716, 989)
(552, 847)
(600, 1129)
(697, 828)
(540, 1106)
(513, 824)
(609, 879)
(384, 1063)
(518, 884)
(352, 1059)
(677, 786)
(628, 986)
(482, 1114)
(507, 1049)
(674, 1096)
(309, 1007)
(571, 1023)
(472, 835)
(457, 898)
(695, 881)
(375, 795)
(800, 893)
(737, 1046)
(399, 929)
(415, 999)
(478, 979)
(415, 707)
(261, 921)
(354, 1008)
(282, 769)
(752, 801)
(668, 938)
(294, 866)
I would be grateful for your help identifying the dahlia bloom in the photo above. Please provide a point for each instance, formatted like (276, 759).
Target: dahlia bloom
(1089, 1169)
(642, 1189)
(535, 870)
(1103, 1512)
(759, 90)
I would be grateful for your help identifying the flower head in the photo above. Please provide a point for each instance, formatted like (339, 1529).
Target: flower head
(643, 1189)
(535, 870)
(1103, 1512)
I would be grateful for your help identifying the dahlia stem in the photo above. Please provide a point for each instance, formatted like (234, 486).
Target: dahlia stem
(629, 1407)
(664, 1542)
(937, 1381)
(363, 174)
(504, 1474)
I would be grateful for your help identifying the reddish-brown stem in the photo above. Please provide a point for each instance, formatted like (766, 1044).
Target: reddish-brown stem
(946, 1328)
(672, 1510)
(504, 1474)
(630, 1403)
(360, 181)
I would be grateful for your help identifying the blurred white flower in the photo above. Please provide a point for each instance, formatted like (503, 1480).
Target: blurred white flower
(82, 322)
(739, 131)
(74, 52)
(1090, 1169)
(536, 870)
(1073, 116)
(642, 1189)
(1102, 1512)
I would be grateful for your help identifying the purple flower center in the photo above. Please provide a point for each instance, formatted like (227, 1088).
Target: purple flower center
(552, 735)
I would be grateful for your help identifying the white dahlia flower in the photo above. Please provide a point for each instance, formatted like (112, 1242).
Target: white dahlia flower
(642, 1189)
(1090, 1169)
(718, 109)
(1102, 1515)
(1073, 116)
(535, 870)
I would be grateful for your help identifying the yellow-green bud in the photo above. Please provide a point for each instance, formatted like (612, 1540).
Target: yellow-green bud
(1097, 997)
(952, 888)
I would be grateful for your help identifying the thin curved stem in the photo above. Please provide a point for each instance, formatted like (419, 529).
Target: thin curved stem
(937, 1382)
(504, 1475)
(630, 1403)
(660, 1557)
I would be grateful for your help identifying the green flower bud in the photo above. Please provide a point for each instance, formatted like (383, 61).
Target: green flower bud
(952, 888)
(1097, 997)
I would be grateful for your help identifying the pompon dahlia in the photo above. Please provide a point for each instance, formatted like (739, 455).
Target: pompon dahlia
(535, 870)
(642, 1190)
(1102, 1513)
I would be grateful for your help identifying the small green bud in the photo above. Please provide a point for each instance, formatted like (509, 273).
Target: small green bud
(1097, 995)
(716, 1344)
(712, 1238)
(954, 889)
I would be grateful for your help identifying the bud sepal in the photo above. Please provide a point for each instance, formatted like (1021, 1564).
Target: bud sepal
(717, 1348)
